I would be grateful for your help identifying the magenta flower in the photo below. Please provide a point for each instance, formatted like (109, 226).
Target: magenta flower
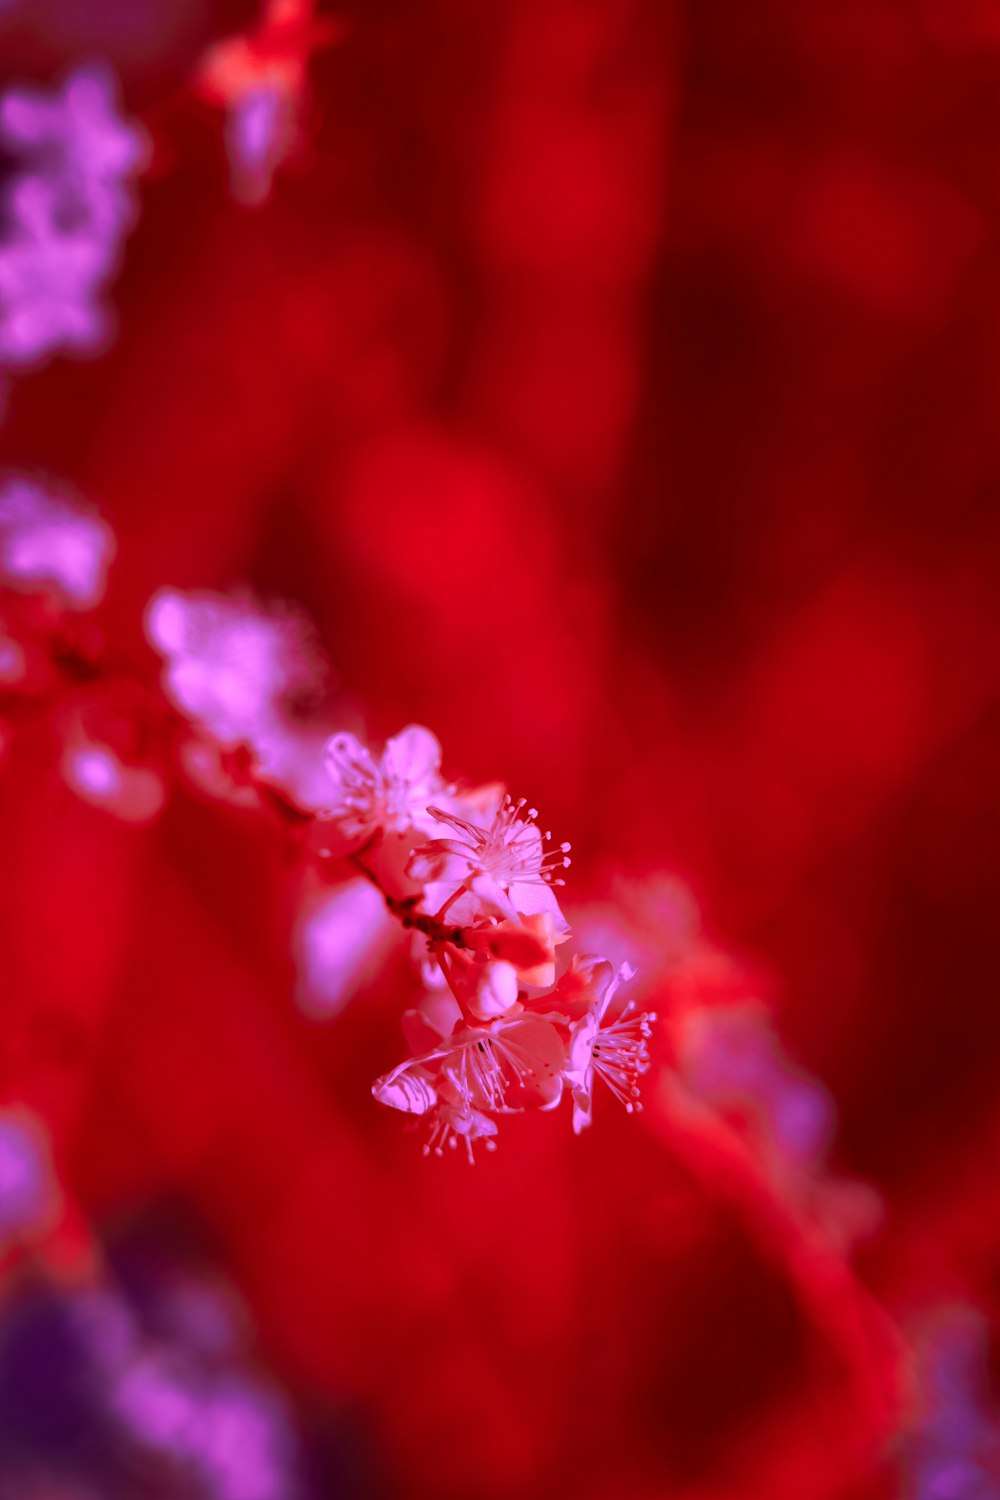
(230, 666)
(731, 1059)
(53, 544)
(27, 1189)
(67, 212)
(51, 280)
(136, 794)
(260, 129)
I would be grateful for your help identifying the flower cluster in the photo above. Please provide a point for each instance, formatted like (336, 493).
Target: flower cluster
(67, 210)
(476, 878)
(27, 1186)
(51, 543)
(468, 872)
(260, 78)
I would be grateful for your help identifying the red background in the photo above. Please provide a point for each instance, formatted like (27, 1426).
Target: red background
(613, 382)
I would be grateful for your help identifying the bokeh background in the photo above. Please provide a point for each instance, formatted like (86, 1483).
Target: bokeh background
(613, 383)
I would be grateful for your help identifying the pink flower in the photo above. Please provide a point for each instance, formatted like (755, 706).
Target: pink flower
(29, 1196)
(731, 1059)
(231, 666)
(511, 1063)
(135, 794)
(615, 1052)
(51, 543)
(390, 794)
(503, 867)
(341, 942)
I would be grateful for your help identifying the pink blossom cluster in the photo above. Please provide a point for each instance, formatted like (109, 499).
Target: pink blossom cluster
(66, 212)
(472, 873)
(50, 542)
(468, 872)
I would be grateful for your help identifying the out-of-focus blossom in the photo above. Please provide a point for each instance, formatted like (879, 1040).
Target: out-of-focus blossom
(952, 1451)
(261, 80)
(68, 208)
(340, 942)
(731, 1059)
(27, 1187)
(134, 1391)
(135, 794)
(260, 131)
(232, 667)
(53, 543)
(12, 664)
(651, 921)
(78, 137)
(50, 283)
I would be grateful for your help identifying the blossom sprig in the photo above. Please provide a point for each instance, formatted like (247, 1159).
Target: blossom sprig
(468, 872)
(495, 1033)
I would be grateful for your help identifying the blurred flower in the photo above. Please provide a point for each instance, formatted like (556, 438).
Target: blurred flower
(261, 79)
(232, 667)
(133, 793)
(27, 1187)
(731, 1059)
(340, 941)
(52, 543)
(260, 127)
(97, 1384)
(952, 1451)
(67, 211)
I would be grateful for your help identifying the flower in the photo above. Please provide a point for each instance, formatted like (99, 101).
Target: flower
(615, 1052)
(390, 794)
(731, 1059)
(341, 941)
(231, 666)
(503, 867)
(77, 139)
(260, 130)
(52, 543)
(135, 794)
(28, 1193)
(67, 211)
(261, 79)
(51, 279)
